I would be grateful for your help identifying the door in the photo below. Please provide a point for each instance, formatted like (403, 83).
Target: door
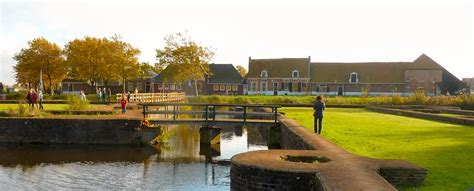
(340, 90)
(275, 88)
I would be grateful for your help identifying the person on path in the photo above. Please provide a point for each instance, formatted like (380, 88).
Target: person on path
(34, 99)
(318, 108)
(128, 97)
(29, 97)
(40, 100)
(99, 94)
(104, 94)
(123, 103)
(83, 96)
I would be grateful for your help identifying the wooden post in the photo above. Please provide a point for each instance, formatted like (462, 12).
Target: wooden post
(214, 114)
(245, 114)
(174, 113)
(276, 115)
(144, 111)
(207, 113)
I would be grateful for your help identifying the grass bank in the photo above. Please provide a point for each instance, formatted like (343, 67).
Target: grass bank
(4, 107)
(466, 102)
(446, 150)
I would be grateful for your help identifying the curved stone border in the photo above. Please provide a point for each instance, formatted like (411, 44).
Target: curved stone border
(260, 170)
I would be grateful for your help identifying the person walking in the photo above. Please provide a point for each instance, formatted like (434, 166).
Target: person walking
(29, 97)
(128, 97)
(123, 103)
(318, 108)
(104, 94)
(40, 100)
(83, 96)
(34, 99)
(99, 94)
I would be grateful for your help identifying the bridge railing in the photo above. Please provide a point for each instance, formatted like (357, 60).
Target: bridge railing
(207, 112)
(154, 97)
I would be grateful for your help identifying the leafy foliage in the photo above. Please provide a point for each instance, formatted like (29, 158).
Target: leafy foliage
(242, 70)
(40, 55)
(75, 103)
(184, 59)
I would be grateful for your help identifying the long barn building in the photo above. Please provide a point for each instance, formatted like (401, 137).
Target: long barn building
(300, 76)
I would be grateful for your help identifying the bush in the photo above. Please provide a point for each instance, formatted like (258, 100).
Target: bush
(75, 103)
(418, 97)
(21, 95)
(397, 100)
(23, 110)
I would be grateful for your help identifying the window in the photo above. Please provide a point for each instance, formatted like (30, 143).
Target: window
(222, 87)
(323, 88)
(69, 87)
(285, 86)
(354, 78)
(130, 86)
(172, 87)
(178, 86)
(295, 74)
(140, 86)
(264, 74)
(215, 87)
(253, 86)
(228, 87)
(263, 86)
(234, 87)
(295, 86)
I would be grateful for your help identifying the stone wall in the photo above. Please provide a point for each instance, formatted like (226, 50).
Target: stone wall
(265, 170)
(68, 131)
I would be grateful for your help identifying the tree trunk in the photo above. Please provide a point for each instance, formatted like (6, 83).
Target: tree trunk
(196, 88)
(50, 85)
(124, 85)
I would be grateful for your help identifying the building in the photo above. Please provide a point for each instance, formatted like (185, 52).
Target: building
(224, 80)
(297, 76)
(286, 76)
(470, 84)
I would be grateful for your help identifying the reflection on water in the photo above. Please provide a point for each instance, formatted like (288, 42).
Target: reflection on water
(182, 164)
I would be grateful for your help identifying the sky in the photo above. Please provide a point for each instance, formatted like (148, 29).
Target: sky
(328, 31)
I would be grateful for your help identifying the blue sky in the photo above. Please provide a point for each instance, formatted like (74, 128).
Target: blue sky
(235, 30)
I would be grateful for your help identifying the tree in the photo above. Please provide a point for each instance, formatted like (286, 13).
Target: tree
(102, 59)
(242, 70)
(125, 64)
(146, 69)
(87, 59)
(188, 60)
(1, 87)
(40, 55)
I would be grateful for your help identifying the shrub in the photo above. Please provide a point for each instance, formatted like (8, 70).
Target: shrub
(397, 100)
(75, 103)
(22, 110)
(17, 95)
(418, 97)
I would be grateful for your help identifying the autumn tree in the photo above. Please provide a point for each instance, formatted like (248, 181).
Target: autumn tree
(242, 70)
(188, 61)
(40, 55)
(124, 65)
(102, 59)
(147, 69)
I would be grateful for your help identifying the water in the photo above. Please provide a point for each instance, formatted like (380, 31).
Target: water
(182, 164)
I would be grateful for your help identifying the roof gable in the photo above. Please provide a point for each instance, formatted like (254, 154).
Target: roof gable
(224, 73)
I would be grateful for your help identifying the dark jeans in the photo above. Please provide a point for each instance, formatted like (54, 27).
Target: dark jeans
(318, 124)
(41, 104)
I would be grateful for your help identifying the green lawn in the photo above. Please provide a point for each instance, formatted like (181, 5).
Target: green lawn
(4, 107)
(446, 150)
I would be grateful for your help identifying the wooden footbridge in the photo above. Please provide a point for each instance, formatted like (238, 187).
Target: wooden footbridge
(153, 97)
(210, 114)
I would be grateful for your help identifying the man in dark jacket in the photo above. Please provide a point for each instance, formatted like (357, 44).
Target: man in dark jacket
(318, 107)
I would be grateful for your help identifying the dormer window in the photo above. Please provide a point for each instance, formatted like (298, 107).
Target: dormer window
(354, 78)
(264, 74)
(295, 74)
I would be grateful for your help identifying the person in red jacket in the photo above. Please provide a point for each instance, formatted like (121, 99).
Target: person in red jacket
(123, 103)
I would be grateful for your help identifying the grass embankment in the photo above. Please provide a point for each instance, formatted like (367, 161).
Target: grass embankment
(4, 107)
(446, 150)
(465, 102)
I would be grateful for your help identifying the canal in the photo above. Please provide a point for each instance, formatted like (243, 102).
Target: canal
(182, 163)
